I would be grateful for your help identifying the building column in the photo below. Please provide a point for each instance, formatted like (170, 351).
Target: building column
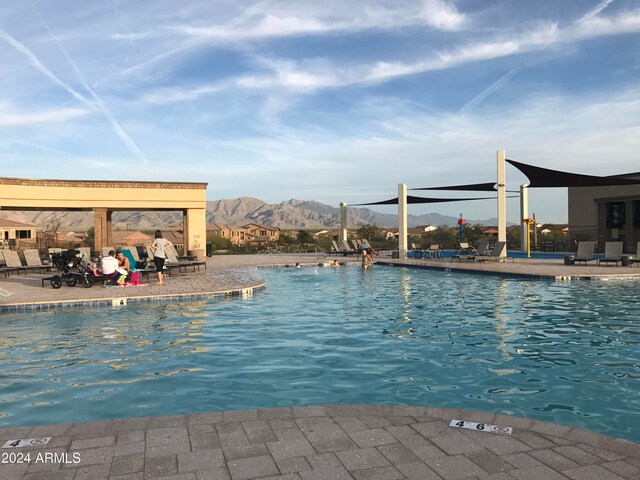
(195, 232)
(402, 221)
(185, 232)
(109, 229)
(502, 199)
(342, 230)
(102, 236)
(524, 214)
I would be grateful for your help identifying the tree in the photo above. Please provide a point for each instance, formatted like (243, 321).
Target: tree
(305, 237)
(370, 232)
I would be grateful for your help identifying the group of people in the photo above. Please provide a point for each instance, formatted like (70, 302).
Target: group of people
(116, 266)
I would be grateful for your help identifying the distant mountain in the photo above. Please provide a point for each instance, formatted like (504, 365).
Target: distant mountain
(291, 214)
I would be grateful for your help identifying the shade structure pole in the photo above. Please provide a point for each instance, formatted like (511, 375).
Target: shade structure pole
(502, 199)
(402, 220)
(524, 214)
(342, 232)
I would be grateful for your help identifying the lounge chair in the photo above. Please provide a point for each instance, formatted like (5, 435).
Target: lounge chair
(356, 245)
(612, 253)
(497, 254)
(465, 251)
(585, 252)
(32, 257)
(105, 251)
(416, 251)
(483, 247)
(172, 256)
(636, 259)
(6, 270)
(434, 251)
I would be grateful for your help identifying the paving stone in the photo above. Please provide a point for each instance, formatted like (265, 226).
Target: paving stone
(398, 420)
(293, 464)
(541, 472)
(323, 461)
(309, 412)
(418, 471)
(495, 476)
(167, 436)
(128, 425)
(288, 476)
(92, 443)
(622, 468)
(254, 467)
(204, 441)
(92, 456)
(282, 424)
(259, 431)
(378, 473)
(533, 440)
(132, 476)
(522, 460)
(168, 421)
(337, 473)
(454, 467)
(129, 448)
(202, 460)
(57, 475)
(553, 459)
(214, 473)
(181, 476)
(239, 416)
(431, 429)
(577, 455)
(398, 454)
(362, 458)
(93, 472)
(489, 462)
(455, 443)
(198, 418)
(124, 464)
(517, 423)
(372, 438)
(230, 429)
(155, 467)
(167, 450)
(401, 432)
(351, 424)
(200, 428)
(13, 470)
(92, 429)
(328, 438)
(274, 413)
(600, 452)
(241, 450)
(591, 472)
(500, 444)
(550, 428)
(376, 422)
(288, 449)
(133, 436)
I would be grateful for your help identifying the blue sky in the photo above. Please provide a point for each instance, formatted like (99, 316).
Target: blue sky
(329, 101)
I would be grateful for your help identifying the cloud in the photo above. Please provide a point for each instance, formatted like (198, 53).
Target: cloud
(27, 119)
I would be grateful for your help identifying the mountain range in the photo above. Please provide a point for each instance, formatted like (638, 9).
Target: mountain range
(291, 214)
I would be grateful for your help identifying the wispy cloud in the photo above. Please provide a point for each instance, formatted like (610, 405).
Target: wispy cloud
(26, 119)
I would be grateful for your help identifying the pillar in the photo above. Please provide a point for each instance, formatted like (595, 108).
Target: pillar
(524, 213)
(402, 221)
(195, 232)
(185, 232)
(502, 199)
(342, 231)
(102, 229)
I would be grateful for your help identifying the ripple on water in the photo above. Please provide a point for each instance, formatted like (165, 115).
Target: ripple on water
(565, 353)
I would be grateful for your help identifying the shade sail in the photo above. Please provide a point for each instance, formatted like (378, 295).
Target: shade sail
(471, 187)
(544, 177)
(413, 200)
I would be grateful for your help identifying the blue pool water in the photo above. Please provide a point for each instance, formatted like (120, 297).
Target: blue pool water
(566, 353)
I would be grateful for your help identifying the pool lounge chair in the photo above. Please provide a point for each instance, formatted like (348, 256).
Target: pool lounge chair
(434, 251)
(636, 258)
(105, 251)
(32, 257)
(612, 253)
(585, 252)
(172, 256)
(465, 252)
(498, 254)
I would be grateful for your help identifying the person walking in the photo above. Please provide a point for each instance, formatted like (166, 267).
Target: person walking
(159, 247)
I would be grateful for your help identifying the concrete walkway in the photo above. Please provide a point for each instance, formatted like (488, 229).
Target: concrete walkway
(360, 442)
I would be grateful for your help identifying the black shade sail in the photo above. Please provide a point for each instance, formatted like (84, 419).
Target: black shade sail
(544, 177)
(413, 200)
(472, 187)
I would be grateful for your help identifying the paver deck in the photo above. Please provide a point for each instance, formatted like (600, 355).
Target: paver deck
(340, 442)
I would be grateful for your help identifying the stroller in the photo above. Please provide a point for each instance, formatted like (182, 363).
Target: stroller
(72, 268)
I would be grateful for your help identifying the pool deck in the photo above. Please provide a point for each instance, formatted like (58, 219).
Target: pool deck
(525, 268)
(361, 442)
(237, 275)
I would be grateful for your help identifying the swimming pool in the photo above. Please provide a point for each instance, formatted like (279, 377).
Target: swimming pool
(558, 352)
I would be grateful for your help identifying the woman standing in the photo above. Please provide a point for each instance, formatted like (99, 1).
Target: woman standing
(159, 246)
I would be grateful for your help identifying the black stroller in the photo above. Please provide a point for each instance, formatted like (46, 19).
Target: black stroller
(73, 270)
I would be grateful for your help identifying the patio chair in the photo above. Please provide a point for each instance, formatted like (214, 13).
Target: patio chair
(415, 252)
(497, 254)
(612, 253)
(483, 247)
(465, 251)
(356, 244)
(636, 259)
(434, 251)
(32, 257)
(585, 252)
(6, 270)
(172, 256)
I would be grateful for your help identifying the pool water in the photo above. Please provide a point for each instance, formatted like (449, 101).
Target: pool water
(559, 352)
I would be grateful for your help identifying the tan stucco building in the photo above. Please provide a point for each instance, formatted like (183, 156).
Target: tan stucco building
(105, 197)
(604, 214)
(14, 232)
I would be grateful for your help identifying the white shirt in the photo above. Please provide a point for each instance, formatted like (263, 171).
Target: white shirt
(109, 265)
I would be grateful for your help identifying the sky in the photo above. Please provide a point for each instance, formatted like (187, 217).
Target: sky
(330, 101)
